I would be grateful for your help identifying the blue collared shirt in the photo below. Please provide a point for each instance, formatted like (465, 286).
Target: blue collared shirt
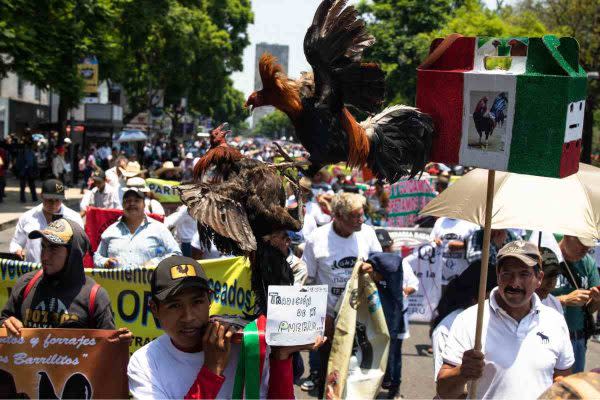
(148, 245)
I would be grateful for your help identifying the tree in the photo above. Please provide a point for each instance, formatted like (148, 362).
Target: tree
(230, 108)
(44, 41)
(395, 24)
(404, 30)
(171, 49)
(581, 20)
(274, 126)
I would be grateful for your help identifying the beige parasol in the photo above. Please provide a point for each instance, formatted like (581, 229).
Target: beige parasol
(570, 206)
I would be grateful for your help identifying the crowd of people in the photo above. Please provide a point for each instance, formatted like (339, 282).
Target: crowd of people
(538, 316)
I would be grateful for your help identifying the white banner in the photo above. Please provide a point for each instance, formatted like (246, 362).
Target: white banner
(426, 262)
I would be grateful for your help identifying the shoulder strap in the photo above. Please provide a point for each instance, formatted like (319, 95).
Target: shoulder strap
(92, 305)
(32, 282)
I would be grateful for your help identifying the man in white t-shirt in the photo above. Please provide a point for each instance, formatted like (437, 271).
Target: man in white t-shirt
(196, 358)
(525, 344)
(331, 252)
(452, 235)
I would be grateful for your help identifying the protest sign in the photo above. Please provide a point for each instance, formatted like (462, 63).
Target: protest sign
(163, 190)
(426, 263)
(62, 363)
(407, 198)
(360, 345)
(129, 292)
(295, 315)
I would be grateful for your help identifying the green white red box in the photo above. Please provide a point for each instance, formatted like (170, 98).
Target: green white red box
(527, 94)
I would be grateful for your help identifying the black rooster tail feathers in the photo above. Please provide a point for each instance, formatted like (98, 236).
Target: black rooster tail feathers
(269, 267)
(334, 46)
(400, 138)
(362, 85)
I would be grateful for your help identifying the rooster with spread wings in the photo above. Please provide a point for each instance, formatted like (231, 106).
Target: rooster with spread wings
(392, 143)
(239, 204)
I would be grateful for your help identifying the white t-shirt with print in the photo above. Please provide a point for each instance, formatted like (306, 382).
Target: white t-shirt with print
(520, 357)
(454, 262)
(330, 258)
(161, 371)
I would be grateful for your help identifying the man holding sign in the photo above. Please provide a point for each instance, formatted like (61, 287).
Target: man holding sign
(196, 358)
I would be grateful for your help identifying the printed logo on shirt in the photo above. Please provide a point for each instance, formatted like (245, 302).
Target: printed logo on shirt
(545, 339)
(49, 313)
(344, 263)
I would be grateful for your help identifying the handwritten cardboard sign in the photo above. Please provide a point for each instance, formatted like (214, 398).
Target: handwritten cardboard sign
(295, 315)
(62, 363)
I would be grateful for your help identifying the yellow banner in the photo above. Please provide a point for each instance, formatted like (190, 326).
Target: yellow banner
(129, 292)
(163, 190)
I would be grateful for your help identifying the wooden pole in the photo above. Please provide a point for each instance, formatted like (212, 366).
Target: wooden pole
(485, 258)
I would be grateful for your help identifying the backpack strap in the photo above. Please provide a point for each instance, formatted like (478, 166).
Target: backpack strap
(92, 305)
(32, 282)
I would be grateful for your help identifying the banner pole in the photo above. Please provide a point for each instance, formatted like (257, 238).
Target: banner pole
(487, 231)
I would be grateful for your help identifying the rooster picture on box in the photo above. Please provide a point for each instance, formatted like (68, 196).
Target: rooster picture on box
(239, 202)
(392, 143)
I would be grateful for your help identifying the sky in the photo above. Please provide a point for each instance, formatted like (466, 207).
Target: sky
(282, 22)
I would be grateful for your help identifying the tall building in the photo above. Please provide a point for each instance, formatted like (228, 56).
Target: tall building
(280, 51)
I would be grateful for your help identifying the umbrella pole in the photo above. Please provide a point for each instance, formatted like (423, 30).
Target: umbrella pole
(485, 257)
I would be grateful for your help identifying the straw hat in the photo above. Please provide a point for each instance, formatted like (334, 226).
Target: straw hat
(137, 183)
(167, 166)
(132, 169)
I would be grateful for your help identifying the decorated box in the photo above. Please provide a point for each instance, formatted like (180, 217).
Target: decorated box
(509, 104)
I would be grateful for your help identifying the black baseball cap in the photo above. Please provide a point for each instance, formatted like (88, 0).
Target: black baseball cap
(176, 273)
(53, 189)
(384, 237)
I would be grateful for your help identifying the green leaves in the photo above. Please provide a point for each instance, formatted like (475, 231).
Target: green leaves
(404, 30)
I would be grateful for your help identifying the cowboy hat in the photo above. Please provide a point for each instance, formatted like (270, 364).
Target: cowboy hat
(167, 167)
(131, 169)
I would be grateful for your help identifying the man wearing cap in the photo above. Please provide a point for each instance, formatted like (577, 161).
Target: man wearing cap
(577, 292)
(134, 240)
(60, 295)
(551, 268)
(525, 344)
(151, 205)
(195, 358)
(101, 195)
(52, 208)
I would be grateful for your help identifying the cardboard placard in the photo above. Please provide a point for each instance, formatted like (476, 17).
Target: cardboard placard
(62, 363)
(295, 314)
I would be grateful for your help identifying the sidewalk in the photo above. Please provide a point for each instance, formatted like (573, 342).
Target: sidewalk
(11, 209)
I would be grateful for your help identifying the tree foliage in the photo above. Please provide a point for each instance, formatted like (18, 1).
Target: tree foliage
(171, 49)
(404, 30)
(44, 41)
(395, 25)
(274, 126)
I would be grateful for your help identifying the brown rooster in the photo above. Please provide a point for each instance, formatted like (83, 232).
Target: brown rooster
(216, 164)
(238, 208)
(392, 143)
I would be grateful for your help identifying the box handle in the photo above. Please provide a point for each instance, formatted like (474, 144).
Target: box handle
(440, 50)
